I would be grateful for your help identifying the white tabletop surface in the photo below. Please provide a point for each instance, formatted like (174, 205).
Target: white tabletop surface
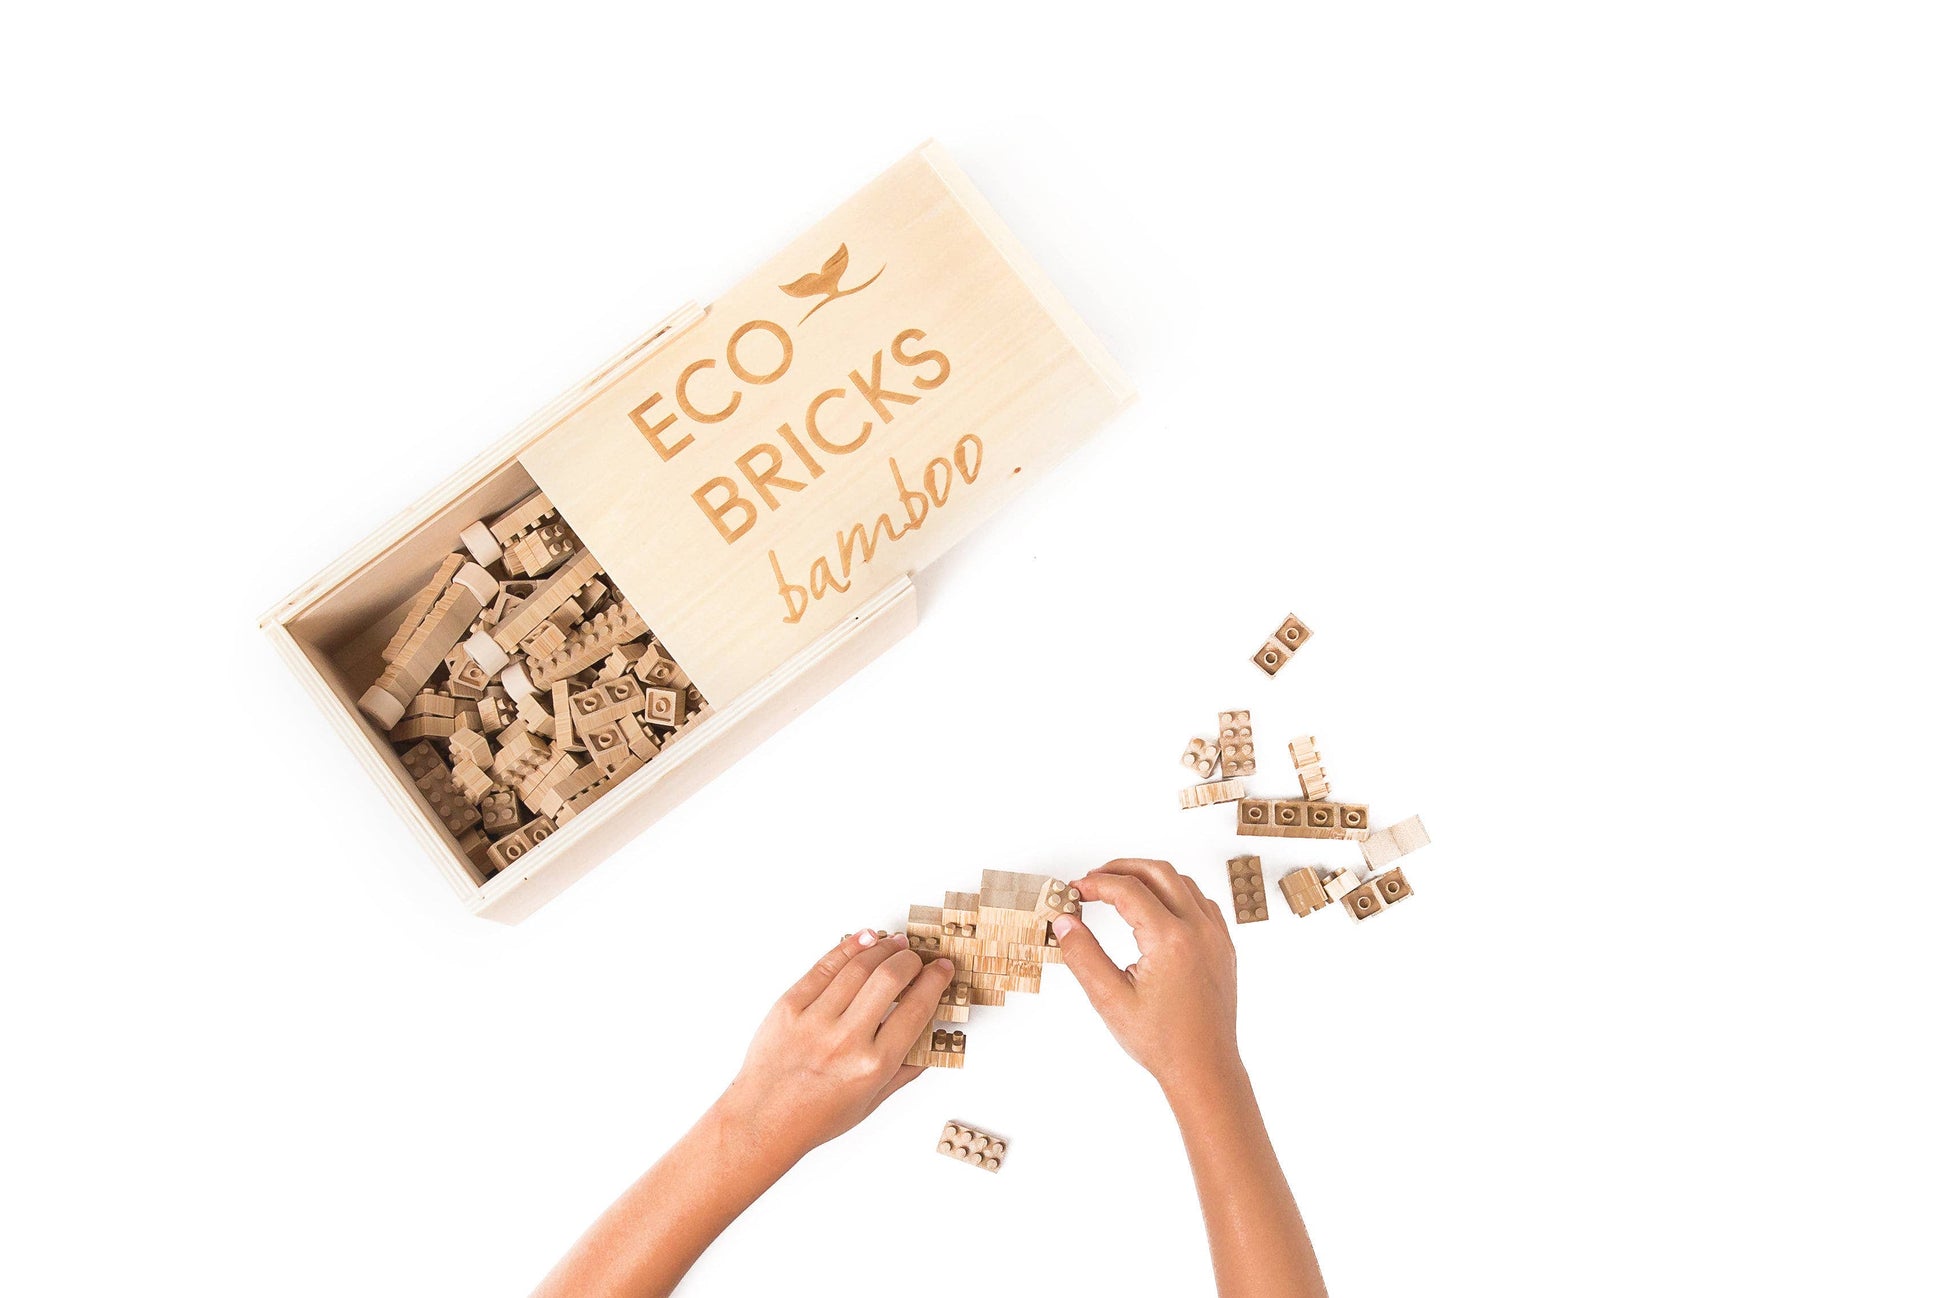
(1569, 370)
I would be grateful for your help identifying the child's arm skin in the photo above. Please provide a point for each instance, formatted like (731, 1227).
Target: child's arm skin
(1175, 1012)
(823, 1060)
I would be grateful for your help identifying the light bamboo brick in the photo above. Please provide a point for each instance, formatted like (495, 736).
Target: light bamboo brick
(1206, 795)
(1247, 889)
(972, 1146)
(1384, 846)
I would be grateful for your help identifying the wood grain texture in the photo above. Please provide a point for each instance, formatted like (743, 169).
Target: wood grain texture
(1016, 369)
(1387, 845)
(1205, 795)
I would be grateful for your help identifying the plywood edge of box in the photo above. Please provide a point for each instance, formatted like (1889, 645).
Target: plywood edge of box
(487, 463)
(699, 755)
(374, 754)
(1029, 272)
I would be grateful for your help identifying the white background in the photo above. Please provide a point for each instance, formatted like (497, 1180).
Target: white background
(1573, 370)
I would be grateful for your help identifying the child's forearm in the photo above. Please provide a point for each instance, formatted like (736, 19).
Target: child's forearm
(829, 1052)
(1175, 1011)
(649, 1238)
(1256, 1235)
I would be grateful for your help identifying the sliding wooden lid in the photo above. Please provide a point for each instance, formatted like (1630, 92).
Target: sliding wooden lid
(838, 420)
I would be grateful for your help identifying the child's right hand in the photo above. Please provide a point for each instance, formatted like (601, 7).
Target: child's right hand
(1175, 1009)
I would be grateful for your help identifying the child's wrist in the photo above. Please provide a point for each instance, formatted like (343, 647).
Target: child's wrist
(1191, 1084)
(741, 1129)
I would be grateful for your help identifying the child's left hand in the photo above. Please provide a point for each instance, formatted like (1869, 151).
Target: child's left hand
(829, 1051)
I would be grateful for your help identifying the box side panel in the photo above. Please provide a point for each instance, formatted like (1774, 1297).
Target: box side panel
(838, 420)
(699, 755)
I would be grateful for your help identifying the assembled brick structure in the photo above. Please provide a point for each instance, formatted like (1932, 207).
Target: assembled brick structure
(999, 939)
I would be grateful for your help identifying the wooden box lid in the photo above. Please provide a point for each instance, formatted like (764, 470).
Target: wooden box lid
(835, 422)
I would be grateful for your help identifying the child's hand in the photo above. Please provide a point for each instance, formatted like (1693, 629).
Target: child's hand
(1175, 1009)
(828, 1052)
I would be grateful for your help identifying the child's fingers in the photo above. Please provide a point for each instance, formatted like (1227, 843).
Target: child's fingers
(917, 1005)
(1170, 886)
(819, 976)
(1196, 893)
(1203, 902)
(844, 985)
(887, 982)
(1130, 897)
(1104, 982)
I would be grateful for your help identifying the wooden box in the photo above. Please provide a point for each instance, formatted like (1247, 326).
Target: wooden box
(760, 478)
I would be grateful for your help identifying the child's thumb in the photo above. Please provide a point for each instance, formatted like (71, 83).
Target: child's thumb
(1082, 954)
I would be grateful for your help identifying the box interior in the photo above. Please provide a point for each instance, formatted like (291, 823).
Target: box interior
(342, 630)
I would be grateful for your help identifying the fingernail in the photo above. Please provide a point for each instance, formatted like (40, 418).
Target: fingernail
(866, 937)
(1063, 925)
(901, 939)
(947, 965)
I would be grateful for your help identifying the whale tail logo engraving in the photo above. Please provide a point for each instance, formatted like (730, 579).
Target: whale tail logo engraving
(822, 283)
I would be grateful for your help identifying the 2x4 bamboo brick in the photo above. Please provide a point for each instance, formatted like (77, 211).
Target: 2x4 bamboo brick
(1247, 889)
(1236, 744)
